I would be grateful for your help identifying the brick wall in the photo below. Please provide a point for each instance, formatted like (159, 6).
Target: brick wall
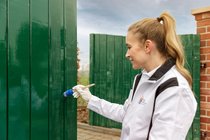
(202, 17)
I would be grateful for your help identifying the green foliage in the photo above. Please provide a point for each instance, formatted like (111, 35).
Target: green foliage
(83, 79)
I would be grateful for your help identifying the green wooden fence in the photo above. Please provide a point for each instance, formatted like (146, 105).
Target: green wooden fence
(37, 64)
(113, 75)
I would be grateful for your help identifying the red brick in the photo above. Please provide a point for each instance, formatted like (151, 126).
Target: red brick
(203, 98)
(206, 15)
(208, 113)
(208, 86)
(198, 17)
(205, 119)
(208, 65)
(205, 50)
(205, 22)
(208, 57)
(205, 105)
(205, 78)
(205, 36)
(208, 127)
(201, 30)
(203, 85)
(208, 71)
(203, 43)
(208, 43)
(203, 112)
(203, 71)
(203, 126)
(203, 57)
(207, 136)
(205, 91)
(208, 29)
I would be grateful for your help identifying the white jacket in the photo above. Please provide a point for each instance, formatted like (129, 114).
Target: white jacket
(174, 107)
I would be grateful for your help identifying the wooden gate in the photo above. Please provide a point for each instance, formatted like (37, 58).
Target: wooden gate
(38, 54)
(113, 75)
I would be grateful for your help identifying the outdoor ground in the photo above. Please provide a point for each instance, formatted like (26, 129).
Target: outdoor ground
(82, 114)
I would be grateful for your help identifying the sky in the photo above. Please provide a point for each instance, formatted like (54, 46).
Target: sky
(114, 17)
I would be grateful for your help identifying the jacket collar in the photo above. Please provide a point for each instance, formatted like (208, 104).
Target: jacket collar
(162, 69)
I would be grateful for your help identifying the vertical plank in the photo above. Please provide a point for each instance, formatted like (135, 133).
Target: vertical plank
(39, 69)
(70, 26)
(187, 44)
(196, 84)
(92, 61)
(191, 45)
(3, 70)
(18, 71)
(102, 72)
(118, 69)
(97, 75)
(92, 77)
(56, 71)
(110, 72)
(3, 89)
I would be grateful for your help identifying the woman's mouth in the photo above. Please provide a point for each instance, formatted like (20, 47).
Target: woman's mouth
(131, 59)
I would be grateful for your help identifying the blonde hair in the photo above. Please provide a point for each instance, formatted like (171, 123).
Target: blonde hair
(161, 30)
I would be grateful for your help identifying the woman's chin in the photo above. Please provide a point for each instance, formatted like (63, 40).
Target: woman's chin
(135, 67)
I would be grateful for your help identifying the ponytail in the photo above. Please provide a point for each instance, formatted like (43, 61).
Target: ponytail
(174, 46)
(162, 31)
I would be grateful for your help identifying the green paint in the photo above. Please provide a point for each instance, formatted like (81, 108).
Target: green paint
(38, 63)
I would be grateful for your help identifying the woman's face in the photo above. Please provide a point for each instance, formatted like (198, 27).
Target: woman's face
(136, 51)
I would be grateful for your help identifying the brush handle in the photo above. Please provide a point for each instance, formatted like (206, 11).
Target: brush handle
(88, 86)
(71, 91)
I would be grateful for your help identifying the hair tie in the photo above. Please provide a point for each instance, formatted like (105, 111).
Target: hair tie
(160, 19)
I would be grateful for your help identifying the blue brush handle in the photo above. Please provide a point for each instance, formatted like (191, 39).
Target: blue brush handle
(68, 93)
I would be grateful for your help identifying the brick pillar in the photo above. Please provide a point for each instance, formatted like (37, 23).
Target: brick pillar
(202, 17)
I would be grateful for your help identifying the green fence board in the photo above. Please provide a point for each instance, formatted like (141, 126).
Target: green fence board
(102, 71)
(56, 116)
(70, 67)
(3, 71)
(110, 71)
(114, 77)
(92, 72)
(18, 71)
(3, 89)
(196, 84)
(118, 69)
(39, 69)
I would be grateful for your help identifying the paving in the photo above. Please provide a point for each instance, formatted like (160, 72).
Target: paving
(87, 132)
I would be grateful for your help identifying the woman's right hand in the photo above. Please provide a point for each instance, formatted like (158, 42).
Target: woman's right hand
(80, 90)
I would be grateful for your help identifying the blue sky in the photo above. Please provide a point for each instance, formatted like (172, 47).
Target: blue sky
(115, 16)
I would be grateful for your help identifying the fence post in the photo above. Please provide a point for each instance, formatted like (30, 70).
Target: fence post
(202, 17)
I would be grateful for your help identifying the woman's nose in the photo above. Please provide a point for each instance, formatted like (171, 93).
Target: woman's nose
(127, 55)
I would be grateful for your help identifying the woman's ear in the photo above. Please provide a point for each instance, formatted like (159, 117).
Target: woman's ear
(148, 46)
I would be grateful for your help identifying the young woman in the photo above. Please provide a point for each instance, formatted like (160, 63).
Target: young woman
(161, 104)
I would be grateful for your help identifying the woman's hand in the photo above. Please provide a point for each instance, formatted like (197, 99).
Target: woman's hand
(80, 90)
